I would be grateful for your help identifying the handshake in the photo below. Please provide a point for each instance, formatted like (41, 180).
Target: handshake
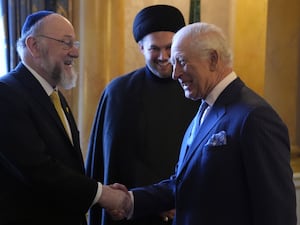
(116, 200)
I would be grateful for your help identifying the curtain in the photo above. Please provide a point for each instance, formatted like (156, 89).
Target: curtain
(194, 11)
(13, 15)
(102, 56)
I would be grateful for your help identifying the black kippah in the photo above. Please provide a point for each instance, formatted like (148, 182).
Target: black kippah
(157, 18)
(33, 18)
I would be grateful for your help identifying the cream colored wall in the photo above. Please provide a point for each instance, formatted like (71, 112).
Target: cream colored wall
(250, 24)
(221, 13)
(244, 23)
(282, 74)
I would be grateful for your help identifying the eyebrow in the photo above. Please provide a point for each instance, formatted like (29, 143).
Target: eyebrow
(68, 36)
(156, 46)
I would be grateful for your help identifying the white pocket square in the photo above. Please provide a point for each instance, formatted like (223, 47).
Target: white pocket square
(217, 139)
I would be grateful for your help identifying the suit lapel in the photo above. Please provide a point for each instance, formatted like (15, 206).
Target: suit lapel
(184, 147)
(210, 121)
(217, 112)
(36, 92)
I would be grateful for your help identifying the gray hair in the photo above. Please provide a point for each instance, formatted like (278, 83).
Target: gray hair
(21, 43)
(204, 38)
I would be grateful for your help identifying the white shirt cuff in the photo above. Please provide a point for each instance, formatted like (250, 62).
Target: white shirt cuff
(130, 214)
(98, 194)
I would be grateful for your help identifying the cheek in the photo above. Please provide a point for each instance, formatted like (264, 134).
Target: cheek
(200, 73)
(152, 56)
(192, 72)
(146, 55)
(198, 79)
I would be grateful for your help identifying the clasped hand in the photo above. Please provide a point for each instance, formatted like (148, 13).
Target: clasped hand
(116, 200)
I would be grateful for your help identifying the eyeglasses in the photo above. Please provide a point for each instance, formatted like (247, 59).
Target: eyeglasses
(68, 44)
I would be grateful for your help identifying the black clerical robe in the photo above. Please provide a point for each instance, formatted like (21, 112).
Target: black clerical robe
(137, 133)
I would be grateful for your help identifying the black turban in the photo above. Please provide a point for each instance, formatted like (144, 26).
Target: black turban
(157, 18)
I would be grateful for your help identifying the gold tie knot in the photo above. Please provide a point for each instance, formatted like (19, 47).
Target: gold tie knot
(55, 97)
(56, 102)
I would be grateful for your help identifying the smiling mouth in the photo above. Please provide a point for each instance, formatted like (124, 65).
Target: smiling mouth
(186, 84)
(164, 64)
(68, 62)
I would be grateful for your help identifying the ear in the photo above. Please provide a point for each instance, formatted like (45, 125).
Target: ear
(141, 46)
(214, 58)
(32, 46)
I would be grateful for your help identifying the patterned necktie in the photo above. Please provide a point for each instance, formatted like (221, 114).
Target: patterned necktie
(56, 102)
(197, 121)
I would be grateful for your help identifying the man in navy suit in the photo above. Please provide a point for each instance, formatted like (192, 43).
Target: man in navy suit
(236, 170)
(41, 167)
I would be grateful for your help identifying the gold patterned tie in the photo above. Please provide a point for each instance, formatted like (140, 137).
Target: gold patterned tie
(56, 102)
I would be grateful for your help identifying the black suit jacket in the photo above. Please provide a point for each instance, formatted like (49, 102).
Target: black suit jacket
(243, 180)
(41, 171)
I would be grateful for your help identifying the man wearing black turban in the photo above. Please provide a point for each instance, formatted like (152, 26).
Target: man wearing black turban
(142, 116)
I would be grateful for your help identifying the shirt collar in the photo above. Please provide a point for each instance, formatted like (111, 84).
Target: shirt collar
(46, 86)
(214, 94)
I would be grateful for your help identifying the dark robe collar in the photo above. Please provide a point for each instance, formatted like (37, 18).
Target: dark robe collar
(152, 76)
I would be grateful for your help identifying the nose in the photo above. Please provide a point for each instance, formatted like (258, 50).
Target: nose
(74, 52)
(177, 71)
(164, 54)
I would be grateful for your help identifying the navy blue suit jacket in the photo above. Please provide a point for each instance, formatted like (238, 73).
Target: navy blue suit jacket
(41, 171)
(246, 181)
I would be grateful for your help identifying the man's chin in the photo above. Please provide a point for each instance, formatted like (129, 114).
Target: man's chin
(66, 86)
(68, 82)
(189, 95)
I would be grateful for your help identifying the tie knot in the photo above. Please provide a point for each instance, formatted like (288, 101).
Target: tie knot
(203, 105)
(202, 109)
(197, 121)
(55, 97)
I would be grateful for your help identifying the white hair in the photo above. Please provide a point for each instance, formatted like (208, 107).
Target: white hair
(21, 43)
(204, 37)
